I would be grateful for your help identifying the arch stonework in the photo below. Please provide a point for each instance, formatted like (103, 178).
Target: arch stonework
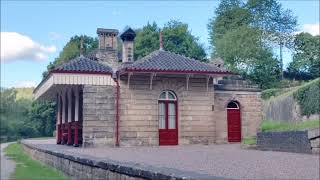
(250, 108)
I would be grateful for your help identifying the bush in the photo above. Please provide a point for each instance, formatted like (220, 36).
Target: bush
(308, 98)
(266, 94)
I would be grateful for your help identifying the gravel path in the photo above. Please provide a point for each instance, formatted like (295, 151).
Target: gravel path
(7, 165)
(229, 160)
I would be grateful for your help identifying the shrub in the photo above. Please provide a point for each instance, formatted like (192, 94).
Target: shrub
(308, 98)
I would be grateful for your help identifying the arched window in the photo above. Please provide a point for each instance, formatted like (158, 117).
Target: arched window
(233, 105)
(168, 96)
(167, 110)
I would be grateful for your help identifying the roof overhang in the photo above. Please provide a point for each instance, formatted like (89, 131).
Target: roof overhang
(222, 73)
(57, 80)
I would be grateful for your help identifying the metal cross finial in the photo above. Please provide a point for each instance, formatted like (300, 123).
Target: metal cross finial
(81, 46)
(161, 41)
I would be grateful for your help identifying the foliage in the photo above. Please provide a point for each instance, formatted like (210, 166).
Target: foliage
(250, 140)
(147, 40)
(244, 53)
(306, 58)
(266, 94)
(42, 116)
(176, 38)
(23, 118)
(26, 168)
(308, 98)
(72, 50)
(276, 126)
(230, 15)
(243, 32)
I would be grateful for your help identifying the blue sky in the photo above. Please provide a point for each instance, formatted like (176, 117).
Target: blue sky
(43, 28)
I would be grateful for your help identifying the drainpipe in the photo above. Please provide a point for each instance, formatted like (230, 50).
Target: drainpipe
(117, 111)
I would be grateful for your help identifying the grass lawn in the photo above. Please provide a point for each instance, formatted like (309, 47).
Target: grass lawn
(29, 169)
(272, 126)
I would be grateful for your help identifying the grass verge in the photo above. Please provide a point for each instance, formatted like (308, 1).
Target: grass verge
(29, 169)
(272, 126)
(250, 140)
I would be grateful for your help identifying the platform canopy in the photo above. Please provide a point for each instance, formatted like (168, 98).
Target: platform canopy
(79, 71)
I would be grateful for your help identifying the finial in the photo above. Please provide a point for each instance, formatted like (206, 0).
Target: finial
(161, 41)
(81, 46)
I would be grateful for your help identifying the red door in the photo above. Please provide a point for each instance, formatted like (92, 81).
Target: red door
(168, 131)
(234, 125)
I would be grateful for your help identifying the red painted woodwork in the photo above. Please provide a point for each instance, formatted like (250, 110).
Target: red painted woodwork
(169, 136)
(59, 134)
(64, 133)
(234, 125)
(69, 142)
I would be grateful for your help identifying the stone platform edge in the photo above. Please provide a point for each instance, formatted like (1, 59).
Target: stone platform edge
(88, 167)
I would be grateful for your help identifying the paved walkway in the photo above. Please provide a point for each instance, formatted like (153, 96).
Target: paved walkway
(7, 165)
(229, 160)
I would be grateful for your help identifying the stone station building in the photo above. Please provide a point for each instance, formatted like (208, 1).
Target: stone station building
(107, 99)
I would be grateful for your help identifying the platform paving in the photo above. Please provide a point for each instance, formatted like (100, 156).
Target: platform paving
(227, 161)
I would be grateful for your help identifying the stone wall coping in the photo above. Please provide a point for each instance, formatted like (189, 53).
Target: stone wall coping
(127, 168)
(287, 141)
(236, 88)
(314, 133)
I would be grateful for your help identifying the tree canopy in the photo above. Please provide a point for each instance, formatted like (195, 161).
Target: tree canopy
(21, 117)
(177, 38)
(306, 58)
(72, 50)
(243, 33)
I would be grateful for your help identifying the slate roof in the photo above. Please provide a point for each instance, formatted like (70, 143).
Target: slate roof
(164, 61)
(85, 65)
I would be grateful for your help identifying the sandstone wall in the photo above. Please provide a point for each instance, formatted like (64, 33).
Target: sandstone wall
(139, 110)
(285, 109)
(251, 112)
(98, 115)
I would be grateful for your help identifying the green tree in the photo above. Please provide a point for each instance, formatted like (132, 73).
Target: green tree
(243, 33)
(243, 53)
(306, 58)
(147, 40)
(72, 50)
(230, 14)
(42, 117)
(177, 39)
(276, 23)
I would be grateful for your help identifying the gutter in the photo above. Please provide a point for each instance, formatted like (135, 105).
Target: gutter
(117, 111)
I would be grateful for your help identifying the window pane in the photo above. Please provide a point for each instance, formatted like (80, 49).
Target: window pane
(163, 95)
(171, 96)
(162, 120)
(172, 116)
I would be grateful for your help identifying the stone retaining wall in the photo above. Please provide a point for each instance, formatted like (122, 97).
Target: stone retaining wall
(291, 141)
(86, 167)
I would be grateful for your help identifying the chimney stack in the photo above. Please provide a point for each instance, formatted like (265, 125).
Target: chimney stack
(161, 41)
(128, 45)
(107, 38)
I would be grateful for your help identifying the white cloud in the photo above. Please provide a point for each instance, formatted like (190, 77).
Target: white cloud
(25, 84)
(54, 36)
(313, 29)
(15, 46)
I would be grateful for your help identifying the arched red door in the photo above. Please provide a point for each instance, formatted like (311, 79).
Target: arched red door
(168, 119)
(234, 122)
